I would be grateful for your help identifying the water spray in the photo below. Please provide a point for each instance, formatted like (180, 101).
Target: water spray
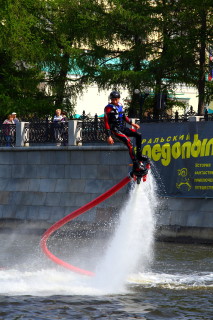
(73, 215)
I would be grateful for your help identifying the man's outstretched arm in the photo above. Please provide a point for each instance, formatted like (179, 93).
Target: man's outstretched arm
(107, 126)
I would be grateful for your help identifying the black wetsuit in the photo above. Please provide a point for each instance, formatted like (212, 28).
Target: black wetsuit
(115, 122)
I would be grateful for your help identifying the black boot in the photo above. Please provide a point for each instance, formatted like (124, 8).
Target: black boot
(136, 165)
(143, 158)
(139, 169)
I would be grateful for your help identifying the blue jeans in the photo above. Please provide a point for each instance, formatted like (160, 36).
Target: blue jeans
(8, 141)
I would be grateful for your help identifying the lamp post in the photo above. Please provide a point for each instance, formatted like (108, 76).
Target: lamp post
(142, 98)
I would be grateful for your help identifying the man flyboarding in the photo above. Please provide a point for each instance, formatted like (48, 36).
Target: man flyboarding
(115, 123)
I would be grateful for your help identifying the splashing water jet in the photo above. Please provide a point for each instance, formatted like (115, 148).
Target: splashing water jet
(132, 243)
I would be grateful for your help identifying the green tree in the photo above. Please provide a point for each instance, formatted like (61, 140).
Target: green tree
(120, 48)
(50, 50)
(73, 26)
(185, 30)
(160, 45)
(199, 37)
(21, 31)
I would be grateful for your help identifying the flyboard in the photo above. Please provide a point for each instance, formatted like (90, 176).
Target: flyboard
(141, 172)
(134, 175)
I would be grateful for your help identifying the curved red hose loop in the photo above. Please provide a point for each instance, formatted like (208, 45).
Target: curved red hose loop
(73, 215)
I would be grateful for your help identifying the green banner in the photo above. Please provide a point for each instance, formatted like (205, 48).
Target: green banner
(182, 157)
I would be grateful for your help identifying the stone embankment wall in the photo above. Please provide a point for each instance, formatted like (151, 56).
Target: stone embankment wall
(185, 220)
(40, 185)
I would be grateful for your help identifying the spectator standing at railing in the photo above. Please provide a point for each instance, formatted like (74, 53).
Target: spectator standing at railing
(64, 115)
(8, 130)
(15, 119)
(57, 121)
(65, 128)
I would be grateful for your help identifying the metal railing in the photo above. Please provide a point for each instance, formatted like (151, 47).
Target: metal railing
(74, 132)
(93, 131)
(46, 133)
(176, 117)
(7, 135)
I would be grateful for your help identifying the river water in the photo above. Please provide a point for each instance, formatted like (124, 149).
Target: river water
(135, 277)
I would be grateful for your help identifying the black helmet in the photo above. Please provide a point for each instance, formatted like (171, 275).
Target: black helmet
(114, 95)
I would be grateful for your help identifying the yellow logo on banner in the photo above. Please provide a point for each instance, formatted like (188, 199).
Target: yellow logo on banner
(164, 152)
(183, 179)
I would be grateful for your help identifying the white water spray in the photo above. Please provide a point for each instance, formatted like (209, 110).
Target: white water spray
(131, 247)
(132, 244)
(129, 251)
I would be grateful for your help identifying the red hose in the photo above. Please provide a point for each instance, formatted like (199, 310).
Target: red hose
(71, 216)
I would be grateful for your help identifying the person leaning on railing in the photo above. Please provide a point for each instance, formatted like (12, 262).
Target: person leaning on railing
(7, 130)
(58, 130)
(15, 119)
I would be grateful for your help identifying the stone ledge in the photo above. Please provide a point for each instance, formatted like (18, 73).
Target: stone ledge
(184, 234)
(64, 148)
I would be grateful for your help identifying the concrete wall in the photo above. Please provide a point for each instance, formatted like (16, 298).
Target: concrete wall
(185, 220)
(40, 185)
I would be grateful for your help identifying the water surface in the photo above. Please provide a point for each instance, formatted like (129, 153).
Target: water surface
(136, 278)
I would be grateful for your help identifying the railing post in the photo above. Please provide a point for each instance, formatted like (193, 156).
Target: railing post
(206, 115)
(74, 133)
(21, 134)
(176, 116)
(96, 125)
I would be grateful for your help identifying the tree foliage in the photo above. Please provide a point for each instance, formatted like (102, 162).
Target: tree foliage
(20, 51)
(51, 50)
